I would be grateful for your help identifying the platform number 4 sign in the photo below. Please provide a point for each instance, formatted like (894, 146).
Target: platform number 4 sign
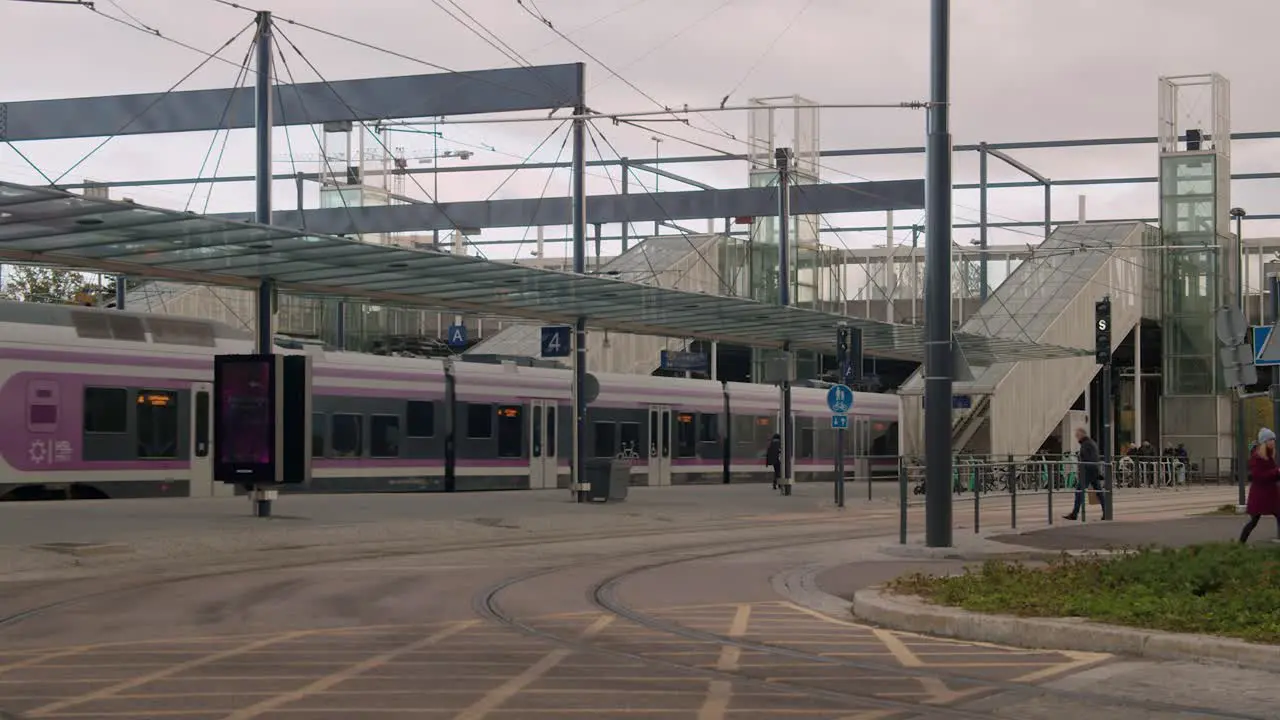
(556, 341)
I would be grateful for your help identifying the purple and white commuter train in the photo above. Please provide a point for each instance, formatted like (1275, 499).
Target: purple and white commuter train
(110, 404)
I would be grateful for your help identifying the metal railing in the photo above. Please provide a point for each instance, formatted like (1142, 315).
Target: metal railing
(1009, 478)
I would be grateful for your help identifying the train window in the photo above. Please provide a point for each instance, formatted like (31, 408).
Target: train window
(317, 435)
(384, 436)
(606, 439)
(805, 448)
(743, 428)
(420, 419)
(551, 431)
(686, 435)
(156, 415)
(708, 428)
(479, 421)
(510, 432)
(884, 439)
(765, 427)
(346, 435)
(106, 410)
(629, 438)
(42, 415)
(202, 423)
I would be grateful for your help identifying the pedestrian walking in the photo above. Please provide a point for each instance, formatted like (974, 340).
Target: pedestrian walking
(1090, 475)
(773, 458)
(1264, 494)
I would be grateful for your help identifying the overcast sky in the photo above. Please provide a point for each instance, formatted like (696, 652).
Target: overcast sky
(1022, 70)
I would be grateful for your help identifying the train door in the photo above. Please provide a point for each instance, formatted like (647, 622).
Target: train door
(202, 482)
(792, 451)
(543, 458)
(659, 445)
(861, 427)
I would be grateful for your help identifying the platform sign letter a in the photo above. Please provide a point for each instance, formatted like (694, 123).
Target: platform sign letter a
(555, 341)
(457, 338)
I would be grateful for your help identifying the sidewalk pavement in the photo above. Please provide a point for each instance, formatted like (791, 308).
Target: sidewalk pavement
(61, 539)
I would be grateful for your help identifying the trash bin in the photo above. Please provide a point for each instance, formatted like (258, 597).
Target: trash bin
(609, 479)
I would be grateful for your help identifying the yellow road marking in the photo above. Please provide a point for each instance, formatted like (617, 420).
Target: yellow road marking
(107, 692)
(720, 692)
(347, 673)
(940, 694)
(898, 649)
(498, 696)
(1079, 661)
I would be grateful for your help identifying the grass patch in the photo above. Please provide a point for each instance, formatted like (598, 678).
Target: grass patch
(1225, 589)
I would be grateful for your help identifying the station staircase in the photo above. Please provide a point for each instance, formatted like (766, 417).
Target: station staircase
(1014, 407)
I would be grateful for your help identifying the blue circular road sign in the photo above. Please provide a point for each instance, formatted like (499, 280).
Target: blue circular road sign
(840, 399)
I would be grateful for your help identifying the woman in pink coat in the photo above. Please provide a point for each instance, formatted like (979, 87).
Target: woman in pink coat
(1264, 493)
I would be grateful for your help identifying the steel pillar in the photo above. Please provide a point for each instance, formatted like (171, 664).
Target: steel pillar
(938, 360)
(579, 193)
(982, 222)
(263, 125)
(782, 158)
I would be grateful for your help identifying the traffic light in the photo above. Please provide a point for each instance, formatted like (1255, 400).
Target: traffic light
(849, 354)
(1102, 331)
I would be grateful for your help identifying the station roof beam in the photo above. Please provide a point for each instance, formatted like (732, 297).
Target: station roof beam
(48, 226)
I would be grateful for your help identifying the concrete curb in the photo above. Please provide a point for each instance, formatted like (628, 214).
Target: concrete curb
(913, 614)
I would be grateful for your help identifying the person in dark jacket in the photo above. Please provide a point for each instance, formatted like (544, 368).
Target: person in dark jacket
(1264, 494)
(773, 458)
(1090, 476)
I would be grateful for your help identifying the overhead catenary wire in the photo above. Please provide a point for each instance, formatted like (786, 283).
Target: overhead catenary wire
(663, 210)
(431, 199)
(371, 46)
(591, 134)
(767, 50)
(533, 11)
(147, 108)
(226, 108)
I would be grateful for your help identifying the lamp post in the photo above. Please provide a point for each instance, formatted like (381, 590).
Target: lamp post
(1242, 443)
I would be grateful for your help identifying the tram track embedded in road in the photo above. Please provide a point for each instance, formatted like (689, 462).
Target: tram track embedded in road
(487, 604)
(394, 549)
(603, 596)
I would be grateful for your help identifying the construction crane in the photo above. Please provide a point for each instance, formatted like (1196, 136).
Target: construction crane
(398, 160)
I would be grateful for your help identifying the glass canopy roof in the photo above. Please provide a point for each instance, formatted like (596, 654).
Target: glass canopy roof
(48, 226)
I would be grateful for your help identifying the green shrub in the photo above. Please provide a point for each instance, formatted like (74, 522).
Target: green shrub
(1224, 589)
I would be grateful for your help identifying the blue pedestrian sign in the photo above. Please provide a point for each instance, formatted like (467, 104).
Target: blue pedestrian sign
(556, 341)
(840, 399)
(457, 337)
(1260, 335)
(840, 422)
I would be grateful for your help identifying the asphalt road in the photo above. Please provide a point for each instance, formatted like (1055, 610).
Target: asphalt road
(685, 623)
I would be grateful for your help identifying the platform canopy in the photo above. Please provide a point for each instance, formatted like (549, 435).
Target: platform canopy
(52, 227)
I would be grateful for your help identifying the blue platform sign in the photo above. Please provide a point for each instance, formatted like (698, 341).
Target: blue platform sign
(457, 337)
(840, 422)
(1260, 335)
(683, 361)
(556, 341)
(840, 399)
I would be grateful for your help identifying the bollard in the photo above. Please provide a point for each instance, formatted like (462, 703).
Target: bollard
(1107, 495)
(1013, 494)
(902, 502)
(977, 500)
(868, 466)
(1050, 503)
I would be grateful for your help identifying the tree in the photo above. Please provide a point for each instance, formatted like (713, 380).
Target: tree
(28, 283)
